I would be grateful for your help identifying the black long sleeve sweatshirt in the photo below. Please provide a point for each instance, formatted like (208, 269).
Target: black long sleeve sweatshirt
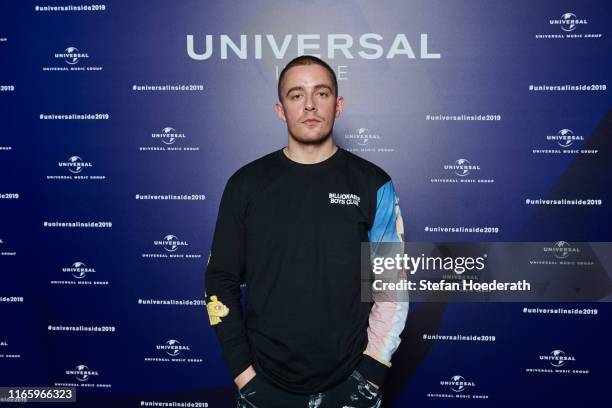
(292, 232)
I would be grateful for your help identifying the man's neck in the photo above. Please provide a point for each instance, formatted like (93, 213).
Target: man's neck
(309, 153)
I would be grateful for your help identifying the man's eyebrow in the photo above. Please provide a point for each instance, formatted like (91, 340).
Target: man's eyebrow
(299, 88)
(295, 88)
(323, 86)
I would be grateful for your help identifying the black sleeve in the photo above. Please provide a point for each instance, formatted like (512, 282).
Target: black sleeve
(224, 274)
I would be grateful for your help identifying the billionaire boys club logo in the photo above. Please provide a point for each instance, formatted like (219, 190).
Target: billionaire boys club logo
(344, 198)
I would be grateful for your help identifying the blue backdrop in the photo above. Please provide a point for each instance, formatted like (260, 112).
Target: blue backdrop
(123, 120)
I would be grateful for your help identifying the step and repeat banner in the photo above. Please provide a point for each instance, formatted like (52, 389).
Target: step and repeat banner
(122, 121)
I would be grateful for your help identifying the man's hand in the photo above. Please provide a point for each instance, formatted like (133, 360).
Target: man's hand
(245, 376)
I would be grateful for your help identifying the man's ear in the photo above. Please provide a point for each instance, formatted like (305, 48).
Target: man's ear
(339, 105)
(280, 112)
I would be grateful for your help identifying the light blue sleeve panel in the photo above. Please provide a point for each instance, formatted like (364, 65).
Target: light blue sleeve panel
(388, 224)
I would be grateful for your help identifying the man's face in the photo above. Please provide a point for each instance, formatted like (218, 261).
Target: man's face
(308, 104)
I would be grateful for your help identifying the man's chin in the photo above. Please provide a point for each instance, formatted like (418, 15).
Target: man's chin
(311, 140)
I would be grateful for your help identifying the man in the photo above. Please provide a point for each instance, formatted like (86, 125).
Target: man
(290, 225)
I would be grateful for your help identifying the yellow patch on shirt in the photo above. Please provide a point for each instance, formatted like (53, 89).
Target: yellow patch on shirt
(216, 310)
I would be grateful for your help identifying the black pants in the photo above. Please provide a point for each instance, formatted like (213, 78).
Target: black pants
(354, 392)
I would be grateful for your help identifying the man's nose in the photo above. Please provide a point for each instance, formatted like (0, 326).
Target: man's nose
(309, 105)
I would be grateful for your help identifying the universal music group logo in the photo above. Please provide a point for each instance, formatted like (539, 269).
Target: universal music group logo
(7, 354)
(169, 139)
(366, 140)
(174, 353)
(565, 137)
(171, 247)
(568, 26)
(82, 275)
(84, 377)
(565, 141)
(559, 362)
(564, 253)
(4, 251)
(75, 168)
(568, 22)
(71, 59)
(460, 388)
(562, 250)
(168, 136)
(462, 171)
(82, 373)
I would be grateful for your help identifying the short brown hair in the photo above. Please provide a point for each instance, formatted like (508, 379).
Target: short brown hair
(306, 60)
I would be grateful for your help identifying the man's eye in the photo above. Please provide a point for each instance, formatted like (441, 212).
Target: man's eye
(323, 93)
(294, 97)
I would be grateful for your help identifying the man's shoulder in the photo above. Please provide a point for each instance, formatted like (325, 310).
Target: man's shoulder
(372, 171)
(255, 169)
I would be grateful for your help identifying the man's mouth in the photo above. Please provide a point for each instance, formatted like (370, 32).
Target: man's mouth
(311, 121)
